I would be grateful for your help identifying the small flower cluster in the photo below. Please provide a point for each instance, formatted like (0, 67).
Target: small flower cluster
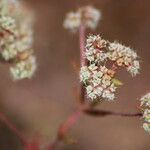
(103, 58)
(145, 108)
(98, 81)
(88, 15)
(16, 39)
(124, 56)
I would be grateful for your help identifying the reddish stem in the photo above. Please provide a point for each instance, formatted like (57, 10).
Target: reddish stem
(82, 59)
(64, 128)
(13, 128)
(73, 118)
(82, 44)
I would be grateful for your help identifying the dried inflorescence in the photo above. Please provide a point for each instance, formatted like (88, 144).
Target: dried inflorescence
(103, 59)
(145, 108)
(16, 39)
(88, 16)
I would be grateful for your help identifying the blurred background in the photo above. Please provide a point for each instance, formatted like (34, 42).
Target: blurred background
(39, 105)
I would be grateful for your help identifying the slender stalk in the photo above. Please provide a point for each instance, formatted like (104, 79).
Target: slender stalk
(82, 44)
(13, 128)
(82, 59)
(64, 128)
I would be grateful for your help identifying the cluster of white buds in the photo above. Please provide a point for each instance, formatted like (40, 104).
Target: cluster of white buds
(88, 16)
(145, 108)
(16, 38)
(103, 59)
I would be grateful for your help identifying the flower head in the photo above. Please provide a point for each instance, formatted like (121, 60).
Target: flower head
(145, 108)
(88, 15)
(124, 56)
(98, 82)
(103, 59)
(16, 32)
(23, 69)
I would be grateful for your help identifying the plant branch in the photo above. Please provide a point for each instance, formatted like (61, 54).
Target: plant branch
(84, 108)
(64, 128)
(104, 113)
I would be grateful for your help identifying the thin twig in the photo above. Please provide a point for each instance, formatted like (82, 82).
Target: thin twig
(104, 113)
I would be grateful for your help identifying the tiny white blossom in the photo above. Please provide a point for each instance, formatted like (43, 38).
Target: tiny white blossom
(17, 38)
(84, 73)
(145, 108)
(87, 16)
(23, 69)
(108, 95)
(98, 91)
(146, 127)
(9, 52)
(89, 89)
(96, 80)
(7, 23)
(145, 100)
(72, 21)
(124, 56)
(146, 115)
(92, 16)
(95, 49)
(134, 68)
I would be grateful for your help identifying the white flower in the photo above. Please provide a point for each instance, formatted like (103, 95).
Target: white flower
(134, 68)
(145, 108)
(96, 80)
(124, 56)
(89, 89)
(7, 23)
(24, 69)
(95, 41)
(146, 115)
(92, 96)
(145, 100)
(94, 93)
(108, 95)
(72, 21)
(84, 73)
(17, 38)
(92, 16)
(97, 74)
(146, 127)
(98, 91)
(112, 88)
(9, 52)
(92, 67)
(89, 16)
(95, 49)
